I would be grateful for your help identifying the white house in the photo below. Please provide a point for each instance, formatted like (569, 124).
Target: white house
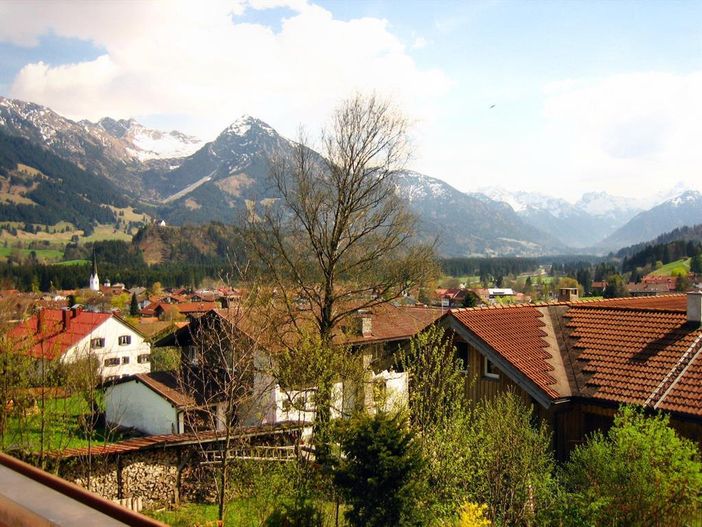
(148, 402)
(154, 403)
(71, 334)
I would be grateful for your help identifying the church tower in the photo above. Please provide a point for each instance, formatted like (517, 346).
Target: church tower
(94, 280)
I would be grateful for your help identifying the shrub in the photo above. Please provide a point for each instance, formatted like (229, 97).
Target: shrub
(381, 475)
(640, 473)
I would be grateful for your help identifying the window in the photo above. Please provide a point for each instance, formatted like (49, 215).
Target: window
(125, 360)
(123, 340)
(111, 378)
(114, 361)
(143, 358)
(462, 356)
(490, 370)
(97, 343)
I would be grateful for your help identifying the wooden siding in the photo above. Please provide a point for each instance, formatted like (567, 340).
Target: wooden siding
(479, 387)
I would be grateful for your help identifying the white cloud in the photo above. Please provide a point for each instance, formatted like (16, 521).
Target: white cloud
(630, 134)
(200, 61)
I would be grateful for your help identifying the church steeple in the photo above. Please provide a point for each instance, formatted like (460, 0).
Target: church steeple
(94, 280)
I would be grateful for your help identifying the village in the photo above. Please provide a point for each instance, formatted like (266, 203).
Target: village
(313, 263)
(162, 371)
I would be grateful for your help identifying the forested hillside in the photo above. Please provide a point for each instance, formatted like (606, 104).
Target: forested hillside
(38, 187)
(687, 233)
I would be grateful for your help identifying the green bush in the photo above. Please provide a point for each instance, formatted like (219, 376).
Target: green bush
(641, 473)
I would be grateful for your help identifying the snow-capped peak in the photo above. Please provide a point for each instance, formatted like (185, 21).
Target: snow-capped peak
(244, 124)
(521, 201)
(689, 196)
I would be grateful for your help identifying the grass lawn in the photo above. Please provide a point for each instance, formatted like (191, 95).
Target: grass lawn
(241, 512)
(45, 255)
(73, 262)
(57, 237)
(672, 268)
(62, 428)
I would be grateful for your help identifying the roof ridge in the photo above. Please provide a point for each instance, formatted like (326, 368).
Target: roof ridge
(631, 308)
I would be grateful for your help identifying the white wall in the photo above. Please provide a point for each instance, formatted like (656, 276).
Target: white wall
(133, 405)
(111, 330)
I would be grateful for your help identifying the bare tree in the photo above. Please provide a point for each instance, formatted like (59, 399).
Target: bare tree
(225, 370)
(341, 239)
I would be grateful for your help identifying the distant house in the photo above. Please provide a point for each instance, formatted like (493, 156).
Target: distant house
(188, 309)
(576, 362)
(71, 334)
(597, 288)
(669, 281)
(112, 289)
(374, 334)
(154, 403)
(648, 289)
(500, 292)
(452, 297)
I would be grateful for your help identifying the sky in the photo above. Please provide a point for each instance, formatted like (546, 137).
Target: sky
(558, 97)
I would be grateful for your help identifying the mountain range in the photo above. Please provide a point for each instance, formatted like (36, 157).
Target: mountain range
(182, 179)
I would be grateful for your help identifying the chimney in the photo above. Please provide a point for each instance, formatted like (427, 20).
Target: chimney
(567, 294)
(366, 323)
(40, 320)
(66, 317)
(694, 307)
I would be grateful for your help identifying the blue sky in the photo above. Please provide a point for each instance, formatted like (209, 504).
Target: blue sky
(587, 95)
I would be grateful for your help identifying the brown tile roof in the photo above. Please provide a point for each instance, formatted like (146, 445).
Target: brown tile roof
(390, 322)
(163, 383)
(517, 334)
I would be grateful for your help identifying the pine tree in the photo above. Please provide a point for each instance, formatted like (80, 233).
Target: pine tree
(134, 306)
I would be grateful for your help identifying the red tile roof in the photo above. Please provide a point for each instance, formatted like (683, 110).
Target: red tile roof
(685, 391)
(628, 353)
(624, 350)
(44, 334)
(196, 307)
(677, 302)
(516, 334)
(390, 322)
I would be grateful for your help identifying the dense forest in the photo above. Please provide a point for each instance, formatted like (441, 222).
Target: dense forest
(686, 233)
(661, 252)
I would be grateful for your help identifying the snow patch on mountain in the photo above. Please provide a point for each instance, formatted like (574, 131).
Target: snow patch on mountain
(529, 202)
(414, 186)
(691, 196)
(604, 205)
(146, 143)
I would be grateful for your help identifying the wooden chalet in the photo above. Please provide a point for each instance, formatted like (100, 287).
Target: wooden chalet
(577, 362)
